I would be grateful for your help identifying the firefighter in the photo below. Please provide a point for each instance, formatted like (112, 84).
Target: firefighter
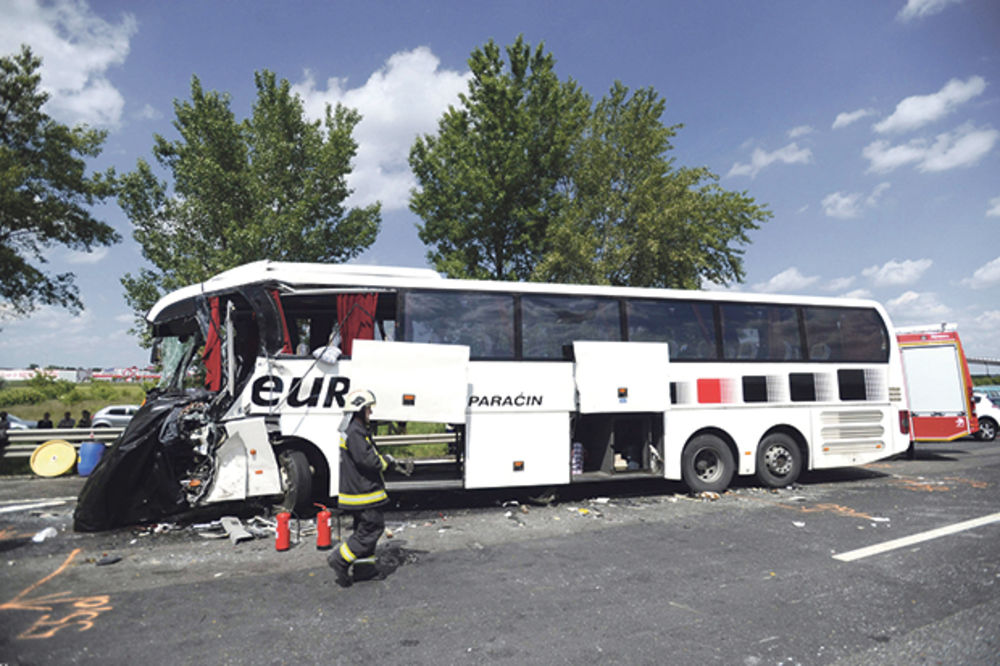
(362, 492)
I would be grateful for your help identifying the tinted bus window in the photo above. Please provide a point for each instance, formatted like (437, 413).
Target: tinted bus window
(851, 335)
(483, 321)
(687, 327)
(760, 333)
(548, 323)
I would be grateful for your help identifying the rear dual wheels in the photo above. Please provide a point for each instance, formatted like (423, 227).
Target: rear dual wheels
(779, 461)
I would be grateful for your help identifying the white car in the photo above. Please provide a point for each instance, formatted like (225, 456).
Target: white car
(114, 416)
(988, 412)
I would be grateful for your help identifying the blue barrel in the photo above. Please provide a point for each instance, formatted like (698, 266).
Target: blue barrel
(90, 453)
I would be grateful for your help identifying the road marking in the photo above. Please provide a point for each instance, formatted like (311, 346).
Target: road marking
(81, 611)
(7, 502)
(852, 555)
(33, 505)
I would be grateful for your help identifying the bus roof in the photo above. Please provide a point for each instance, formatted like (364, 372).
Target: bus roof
(317, 275)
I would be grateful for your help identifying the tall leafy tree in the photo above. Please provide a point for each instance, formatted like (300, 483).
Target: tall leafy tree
(45, 191)
(488, 180)
(271, 186)
(633, 217)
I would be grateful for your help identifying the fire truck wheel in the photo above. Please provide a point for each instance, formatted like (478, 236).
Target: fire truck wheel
(987, 429)
(707, 464)
(779, 461)
(296, 481)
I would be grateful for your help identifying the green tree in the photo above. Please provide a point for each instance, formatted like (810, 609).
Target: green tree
(271, 186)
(488, 180)
(45, 192)
(633, 218)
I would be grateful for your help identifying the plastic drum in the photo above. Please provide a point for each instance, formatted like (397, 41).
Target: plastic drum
(90, 454)
(53, 458)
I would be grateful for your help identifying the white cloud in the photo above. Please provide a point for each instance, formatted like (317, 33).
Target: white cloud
(857, 293)
(801, 130)
(841, 205)
(897, 273)
(849, 117)
(986, 276)
(77, 48)
(848, 206)
(400, 101)
(790, 154)
(994, 209)
(149, 112)
(786, 281)
(963, 147)
(915, 308)
(915, 9)
(839, 284)
(95, 256)
(919, 110)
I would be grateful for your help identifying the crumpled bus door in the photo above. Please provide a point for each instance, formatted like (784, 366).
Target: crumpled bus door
(412, 381)
(618, 377)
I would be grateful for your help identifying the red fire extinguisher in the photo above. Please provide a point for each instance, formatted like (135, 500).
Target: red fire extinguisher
(283, 532)
(323, 528)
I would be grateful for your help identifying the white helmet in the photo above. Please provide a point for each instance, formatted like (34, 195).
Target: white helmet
(358, 400)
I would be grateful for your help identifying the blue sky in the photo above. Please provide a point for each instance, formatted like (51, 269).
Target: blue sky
(871, 129)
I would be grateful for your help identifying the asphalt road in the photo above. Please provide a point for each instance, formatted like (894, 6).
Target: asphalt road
(608, 574)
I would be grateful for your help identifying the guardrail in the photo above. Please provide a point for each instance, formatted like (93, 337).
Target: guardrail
(24, 442)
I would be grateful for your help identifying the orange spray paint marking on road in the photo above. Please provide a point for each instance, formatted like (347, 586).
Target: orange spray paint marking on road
(83, 610)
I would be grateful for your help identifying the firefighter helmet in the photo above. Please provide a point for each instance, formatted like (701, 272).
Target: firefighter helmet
(358, 400)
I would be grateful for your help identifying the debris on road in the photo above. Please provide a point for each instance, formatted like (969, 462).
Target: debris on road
(234, 529)
(42, 535)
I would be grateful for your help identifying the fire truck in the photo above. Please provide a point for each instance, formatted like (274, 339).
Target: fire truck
(938, 383)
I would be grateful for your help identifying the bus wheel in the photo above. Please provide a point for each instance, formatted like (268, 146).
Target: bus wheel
(707, 464)
(296, 481)
(779, 461)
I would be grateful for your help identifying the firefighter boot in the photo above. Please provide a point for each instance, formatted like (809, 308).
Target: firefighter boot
(365, 568)
(340, 567)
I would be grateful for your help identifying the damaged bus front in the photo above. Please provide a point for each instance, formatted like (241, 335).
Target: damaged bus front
(194, 442)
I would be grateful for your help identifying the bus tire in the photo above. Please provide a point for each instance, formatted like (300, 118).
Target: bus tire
(707, 464)
(779, 461)
(296, 481)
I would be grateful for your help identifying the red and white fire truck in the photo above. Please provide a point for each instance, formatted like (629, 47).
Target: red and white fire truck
(938, 383)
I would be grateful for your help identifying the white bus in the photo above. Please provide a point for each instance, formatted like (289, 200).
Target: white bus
(542, 384)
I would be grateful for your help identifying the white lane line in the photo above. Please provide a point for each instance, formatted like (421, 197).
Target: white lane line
(852, 555)
(28, 507)
(25, 500)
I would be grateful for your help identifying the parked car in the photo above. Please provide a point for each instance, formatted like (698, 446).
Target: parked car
(114, 416)
(19, 424)
(988, 412)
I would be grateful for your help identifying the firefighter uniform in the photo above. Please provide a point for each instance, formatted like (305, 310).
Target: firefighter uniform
(362, 493)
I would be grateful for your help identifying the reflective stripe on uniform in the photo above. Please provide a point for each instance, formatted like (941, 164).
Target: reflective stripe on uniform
(346, 553)
(365, 560)
(362, 500)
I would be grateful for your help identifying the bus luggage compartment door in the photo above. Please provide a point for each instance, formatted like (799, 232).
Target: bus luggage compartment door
(518, 424)
(622, 376)
(413, 381)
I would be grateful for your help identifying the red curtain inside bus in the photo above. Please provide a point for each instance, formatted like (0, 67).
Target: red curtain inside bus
(356, 314)
(212, 355)
(286, 345)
